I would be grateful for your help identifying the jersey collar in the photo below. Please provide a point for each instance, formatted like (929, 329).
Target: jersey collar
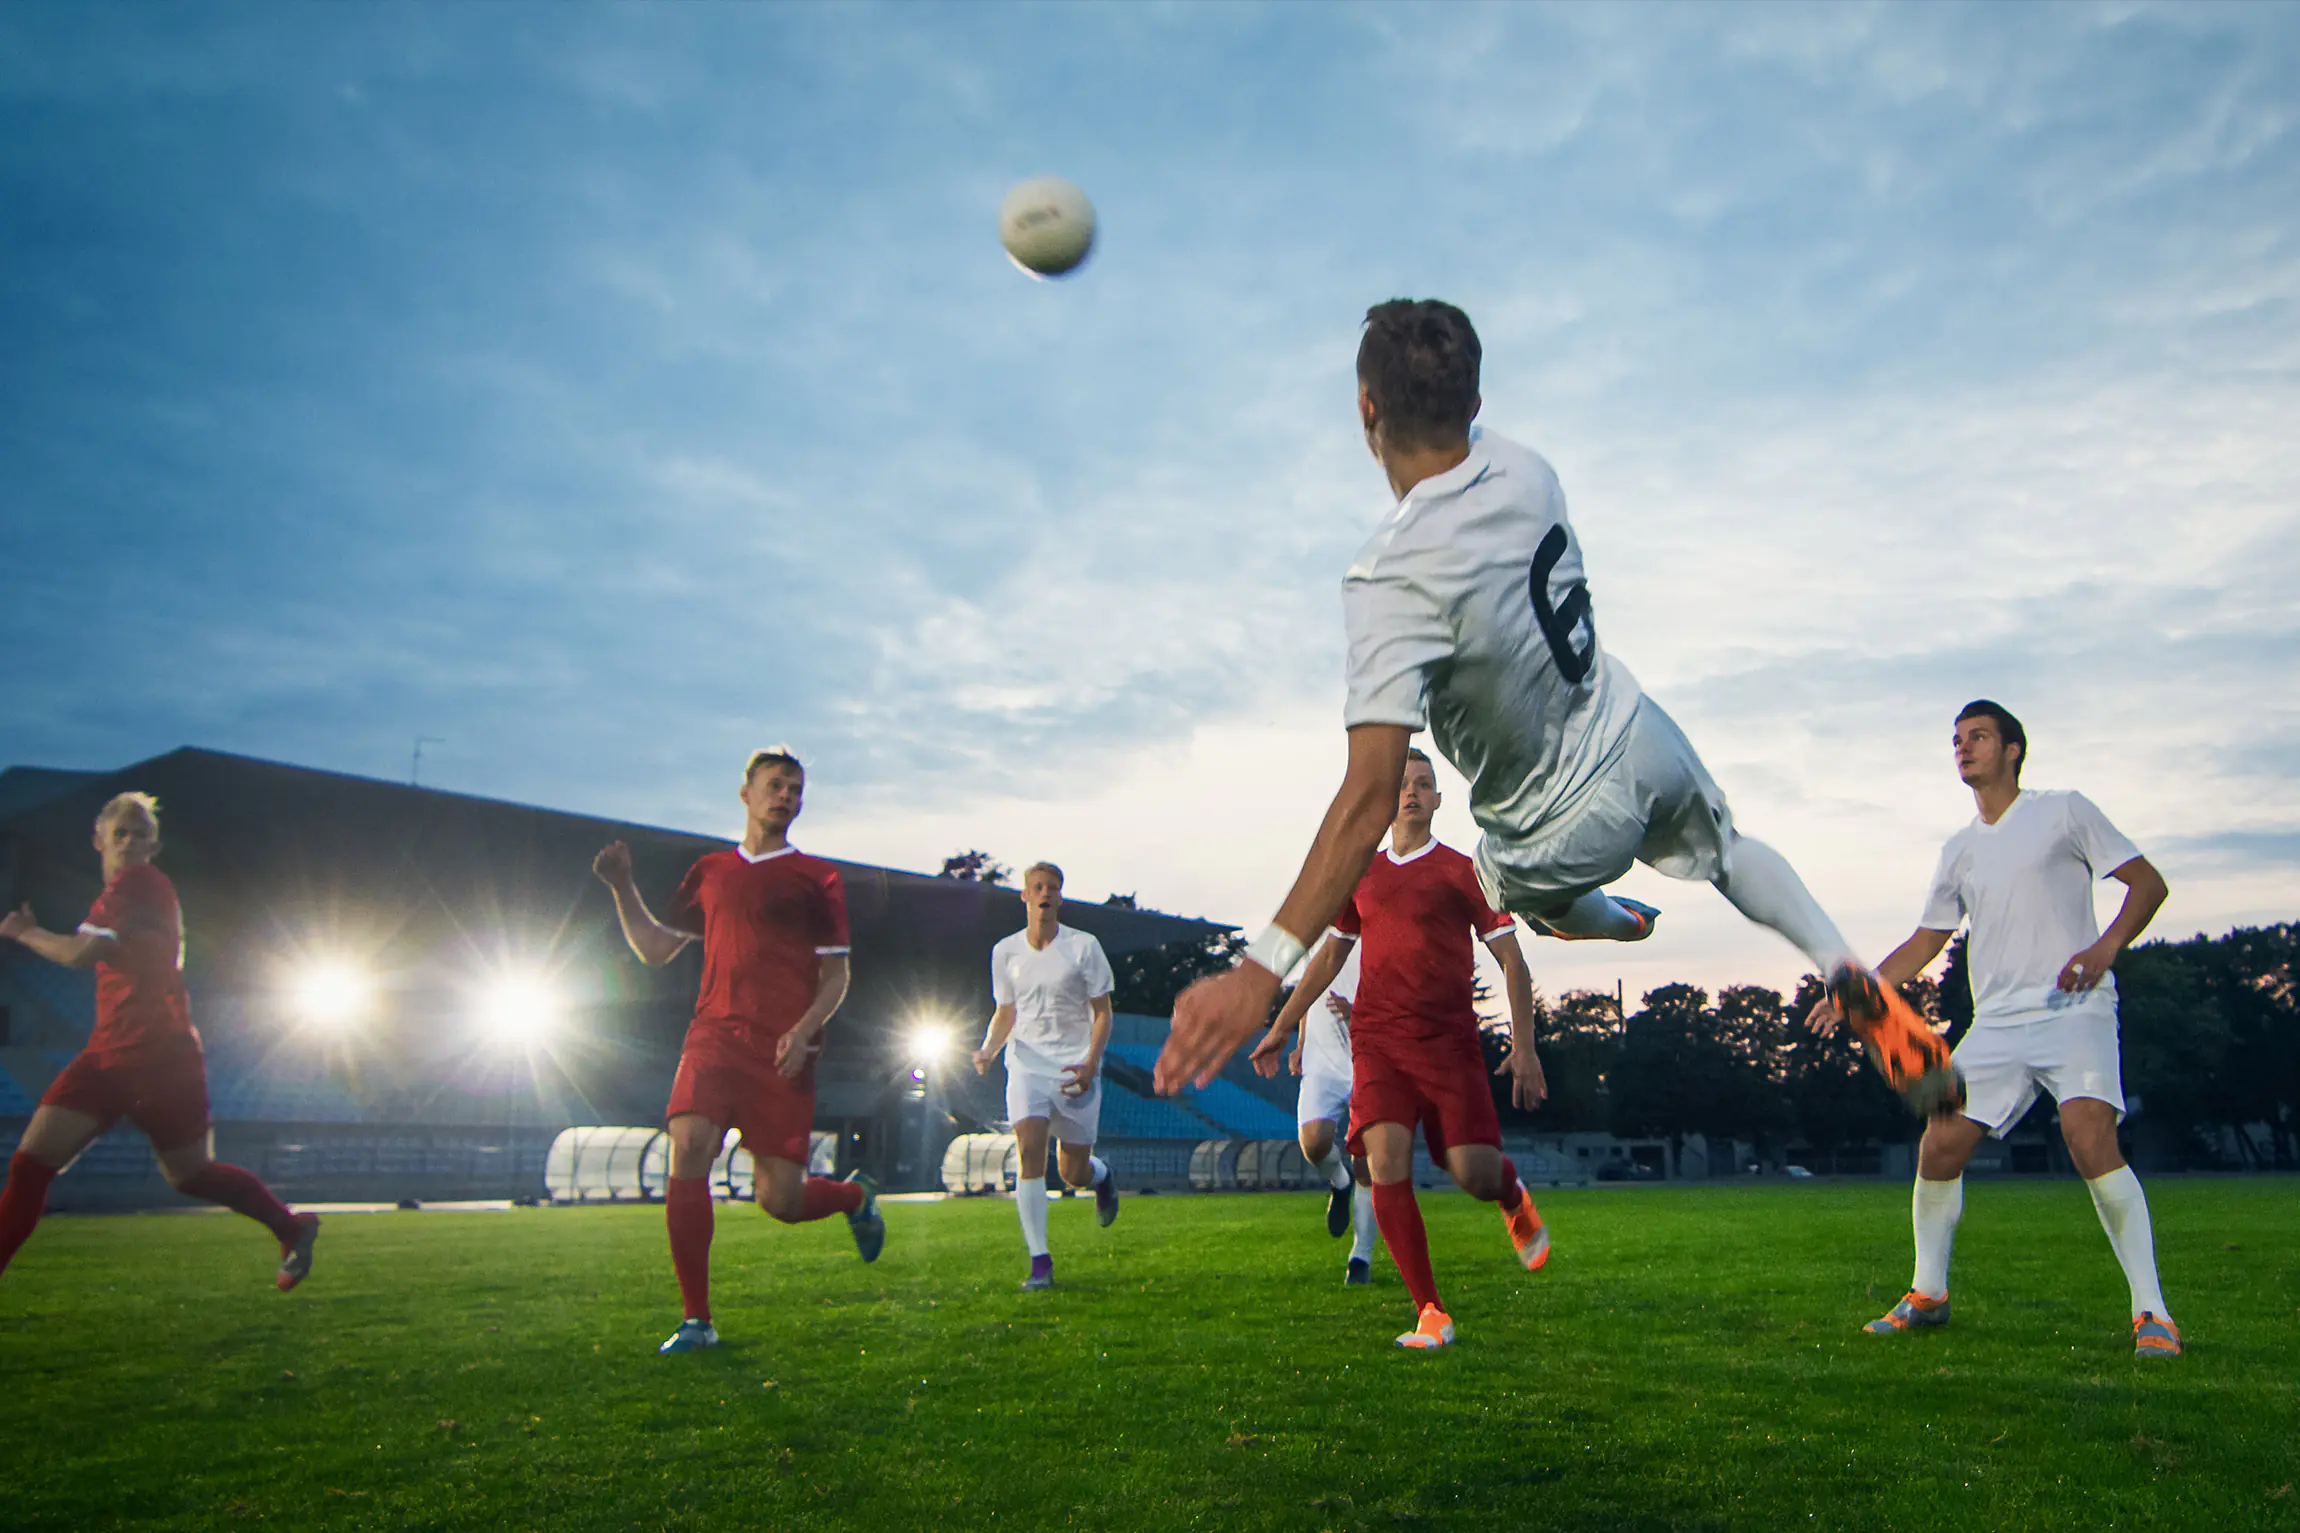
(1416, 855)
(782, 851)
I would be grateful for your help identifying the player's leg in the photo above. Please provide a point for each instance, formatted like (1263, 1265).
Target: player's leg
(2088, 1128)
(1936, 1203)
(1075, 1122)
(1595, 915)
(687, 1212)
(1389, 1152)
(1364, 1227)
(1465, 1133)
(777, 1121)
(1319, 1105)
(52, 1140)
(1030, 1136)
(192, 1169)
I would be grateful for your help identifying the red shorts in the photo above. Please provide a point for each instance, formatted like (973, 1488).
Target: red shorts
(742, 1089)
(165, 1094)
(1437, 1084)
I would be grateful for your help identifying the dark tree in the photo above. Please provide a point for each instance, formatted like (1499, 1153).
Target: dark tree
(1148, 981)
(973, 867)
(1580, 1040)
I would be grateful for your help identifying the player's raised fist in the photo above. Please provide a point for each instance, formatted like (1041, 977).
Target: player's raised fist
(613, 864)
(1212, 1021)
(17, 923)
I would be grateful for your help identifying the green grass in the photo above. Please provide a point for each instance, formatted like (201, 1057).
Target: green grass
(1690, 1359)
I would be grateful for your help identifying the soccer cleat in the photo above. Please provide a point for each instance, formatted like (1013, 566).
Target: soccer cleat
(1041, 1274)
(1912, 1057)
(1338, 1210)
(1435, 1329)
(1646, 916)
(1915, 1312)
(1359, 1273)
(295, 1251)
(1527, 1232)
(868, 1224)
(2154, 1336)
(1106, 1199)
(691, 1336)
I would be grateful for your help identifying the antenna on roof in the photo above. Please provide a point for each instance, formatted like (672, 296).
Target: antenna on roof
(415, 759)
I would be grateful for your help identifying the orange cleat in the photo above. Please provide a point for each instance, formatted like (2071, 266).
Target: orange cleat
(1434, 1330)
(1911, 1057)
(1915, 1312)
(1527, 1232)
(2154, 1336)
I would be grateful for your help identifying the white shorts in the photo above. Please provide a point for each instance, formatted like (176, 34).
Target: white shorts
(1072, 1119)
(1324, 1099)
(1655, 804)
(2007, 1062)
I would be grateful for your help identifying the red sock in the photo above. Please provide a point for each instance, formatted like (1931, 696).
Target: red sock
(240, 1192)
(825, 1197)
(1400, 1218)
(1512, 1191)
(22, 1202)
(687, 1210)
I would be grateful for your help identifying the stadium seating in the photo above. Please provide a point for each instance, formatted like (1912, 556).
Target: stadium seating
(1236, 1112)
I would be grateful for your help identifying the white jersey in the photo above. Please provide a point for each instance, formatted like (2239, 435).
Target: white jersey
(1468, 613)
(2025, 884)
(1049, 989)
(1326, 1037)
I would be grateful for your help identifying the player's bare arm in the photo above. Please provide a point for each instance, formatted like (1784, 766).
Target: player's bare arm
(1529, 1088)
(2144, 891)
(1325, 966)
(74, 950)
(1901, 965)
(655, 943)
(1215, 1017)
(1001, 1024)
(791, 1048)
(1082, 1074)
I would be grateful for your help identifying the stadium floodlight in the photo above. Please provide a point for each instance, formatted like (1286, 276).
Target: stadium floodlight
(929, 1043)
(331, 995)
(519, 1008)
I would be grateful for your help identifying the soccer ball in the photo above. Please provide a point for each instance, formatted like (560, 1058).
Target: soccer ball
(1047, 226)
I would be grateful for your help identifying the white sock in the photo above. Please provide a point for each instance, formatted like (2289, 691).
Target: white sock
(1763, 887)
(1334, 1168)
(1596, 914)
(1030, 1208)
(1362, 1228)
(2123, 1211)
(1100, 1169)
(1935, 1210)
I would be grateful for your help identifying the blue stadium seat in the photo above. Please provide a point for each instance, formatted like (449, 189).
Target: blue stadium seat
(14, 1103)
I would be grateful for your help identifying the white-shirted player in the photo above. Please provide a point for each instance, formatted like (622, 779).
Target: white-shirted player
(1052, 985)
(2021, 874)
(1468, 612)
(1321, 1057)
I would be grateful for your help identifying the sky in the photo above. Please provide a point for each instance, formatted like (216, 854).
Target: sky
(602, 391)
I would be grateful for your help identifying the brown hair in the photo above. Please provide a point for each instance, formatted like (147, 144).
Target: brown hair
(1419, 361)
(773, 755)
(1043, 867)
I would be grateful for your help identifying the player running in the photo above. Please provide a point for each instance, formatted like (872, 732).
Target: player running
(1468, 612)
(1416, 1059)
(1052, 985)
(1321, 1057)
(2021, 874)
(143, 1060)
(773, 924)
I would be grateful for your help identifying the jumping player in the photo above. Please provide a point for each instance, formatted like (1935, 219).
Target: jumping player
(2022, 874)
(1322, 1058)
(773, 924)
(1051, 984)
(1416, 1061)
(1468, 612)
(143, 1061)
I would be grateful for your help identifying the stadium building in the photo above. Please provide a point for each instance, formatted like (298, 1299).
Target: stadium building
(409, 994)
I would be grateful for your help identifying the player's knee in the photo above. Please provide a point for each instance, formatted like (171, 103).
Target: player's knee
(782, 1207)
(180, 1175)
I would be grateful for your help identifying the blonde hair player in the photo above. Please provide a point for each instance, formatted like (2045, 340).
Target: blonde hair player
(2044, 1008)
(1051, 984)
(143, 1061)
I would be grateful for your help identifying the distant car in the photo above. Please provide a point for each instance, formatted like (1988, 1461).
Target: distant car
(1799, 1172)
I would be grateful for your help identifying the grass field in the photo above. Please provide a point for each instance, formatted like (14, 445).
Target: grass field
(1690, 1359)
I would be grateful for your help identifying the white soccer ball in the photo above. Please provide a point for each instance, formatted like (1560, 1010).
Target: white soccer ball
(1047, 226)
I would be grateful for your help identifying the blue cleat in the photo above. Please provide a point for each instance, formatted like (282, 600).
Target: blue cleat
(1106, 1199)
(1915, 1312)
(295, 1252)
(1041, 1274)
(866, 1222)
(1646, 916)
(1360, 1273)
(691, 1336)
(2154, 1336)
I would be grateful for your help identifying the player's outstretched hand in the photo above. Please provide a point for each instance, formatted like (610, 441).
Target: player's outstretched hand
(982, 1058)
(613, 864)
(1081, 1078)
(792, 1051)
(2083, 972)
(1822, 1020)
(1265, 1056)
(19, 923)
(1294, 1060)
(1528, 1087)
(1212, 1021)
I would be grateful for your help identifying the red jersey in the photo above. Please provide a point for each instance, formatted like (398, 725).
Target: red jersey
(1416, 916)
(141, 1004)
(766, 924)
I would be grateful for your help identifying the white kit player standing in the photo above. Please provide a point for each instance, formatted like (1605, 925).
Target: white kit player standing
(1052, 987)
(2021, 874)
(1468, 613)
(1321, 1057)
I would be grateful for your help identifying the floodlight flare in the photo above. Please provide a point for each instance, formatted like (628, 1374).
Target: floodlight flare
(330, 995)
(929, 1043)
(519, 1009)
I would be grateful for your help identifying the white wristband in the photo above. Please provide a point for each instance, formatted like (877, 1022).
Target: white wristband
(1277, 950)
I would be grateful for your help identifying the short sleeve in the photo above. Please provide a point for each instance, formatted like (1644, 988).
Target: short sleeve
(1397, 637)
(831, 939)
(1944, 906)
(2103, 847)
(1001, 979)
(1490, 923)
(685, 912)
(140, 902)
(1094, 968)
(1349, 923)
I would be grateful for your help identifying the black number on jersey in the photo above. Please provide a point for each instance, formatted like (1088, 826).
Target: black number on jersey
(1559, 619)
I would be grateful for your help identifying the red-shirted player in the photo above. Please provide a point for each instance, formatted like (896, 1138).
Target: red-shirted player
(143, 1061)
(1414, 1053)
(773, 924)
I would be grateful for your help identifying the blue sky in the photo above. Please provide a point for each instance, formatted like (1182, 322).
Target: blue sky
(606, 390)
